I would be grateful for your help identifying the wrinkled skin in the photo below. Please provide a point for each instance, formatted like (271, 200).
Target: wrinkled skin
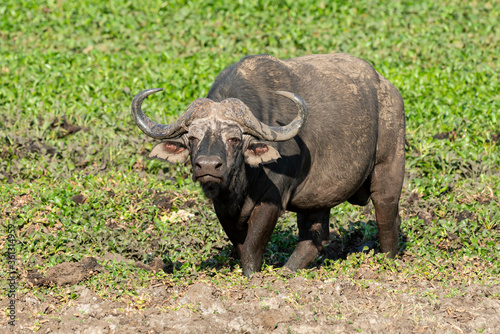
(351, 148)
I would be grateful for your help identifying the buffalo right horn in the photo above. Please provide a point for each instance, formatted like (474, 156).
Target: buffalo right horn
(238, 111)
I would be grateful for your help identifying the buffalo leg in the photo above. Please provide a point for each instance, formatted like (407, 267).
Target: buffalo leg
(388, 222)
(259, 229)
(387, 181)
(313, 234)
(386, 184)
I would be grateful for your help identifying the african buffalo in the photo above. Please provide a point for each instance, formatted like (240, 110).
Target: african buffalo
(258, 148)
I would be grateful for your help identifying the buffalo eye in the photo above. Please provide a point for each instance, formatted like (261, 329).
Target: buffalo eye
(234, 141)
(192, 139)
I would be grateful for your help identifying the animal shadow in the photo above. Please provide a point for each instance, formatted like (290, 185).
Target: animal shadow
(357, 237)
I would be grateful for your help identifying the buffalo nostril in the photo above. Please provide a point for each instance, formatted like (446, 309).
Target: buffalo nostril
(206, 164)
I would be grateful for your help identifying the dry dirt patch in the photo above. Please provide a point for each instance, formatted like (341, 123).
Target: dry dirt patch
(277, 303)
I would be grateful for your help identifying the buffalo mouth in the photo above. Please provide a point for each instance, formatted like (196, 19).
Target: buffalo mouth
(210, 184)
(207, 178)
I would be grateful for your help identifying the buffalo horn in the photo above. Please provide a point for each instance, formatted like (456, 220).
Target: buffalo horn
(255, 127)
(152, 129)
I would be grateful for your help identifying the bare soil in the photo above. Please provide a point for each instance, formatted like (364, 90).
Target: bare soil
(265, 304)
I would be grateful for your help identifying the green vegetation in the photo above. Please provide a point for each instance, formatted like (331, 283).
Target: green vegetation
(75, 180)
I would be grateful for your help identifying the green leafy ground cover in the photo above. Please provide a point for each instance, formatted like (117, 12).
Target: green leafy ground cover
(75, 180)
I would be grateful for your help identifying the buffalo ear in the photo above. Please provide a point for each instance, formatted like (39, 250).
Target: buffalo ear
(172, 151)
(260, 153)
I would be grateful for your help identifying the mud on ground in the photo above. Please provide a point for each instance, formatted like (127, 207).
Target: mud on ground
(266, 303)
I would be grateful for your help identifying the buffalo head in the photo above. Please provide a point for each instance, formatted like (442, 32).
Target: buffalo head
(219, 136)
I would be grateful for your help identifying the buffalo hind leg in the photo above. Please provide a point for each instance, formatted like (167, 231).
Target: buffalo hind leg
(260, 227)
(388, 221)
(313, 234)
(387, 181)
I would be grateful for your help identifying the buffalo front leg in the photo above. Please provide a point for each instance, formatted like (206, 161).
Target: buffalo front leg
(313, 234)
(260, 226)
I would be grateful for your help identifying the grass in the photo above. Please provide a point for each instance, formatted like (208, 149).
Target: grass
(78, 64)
